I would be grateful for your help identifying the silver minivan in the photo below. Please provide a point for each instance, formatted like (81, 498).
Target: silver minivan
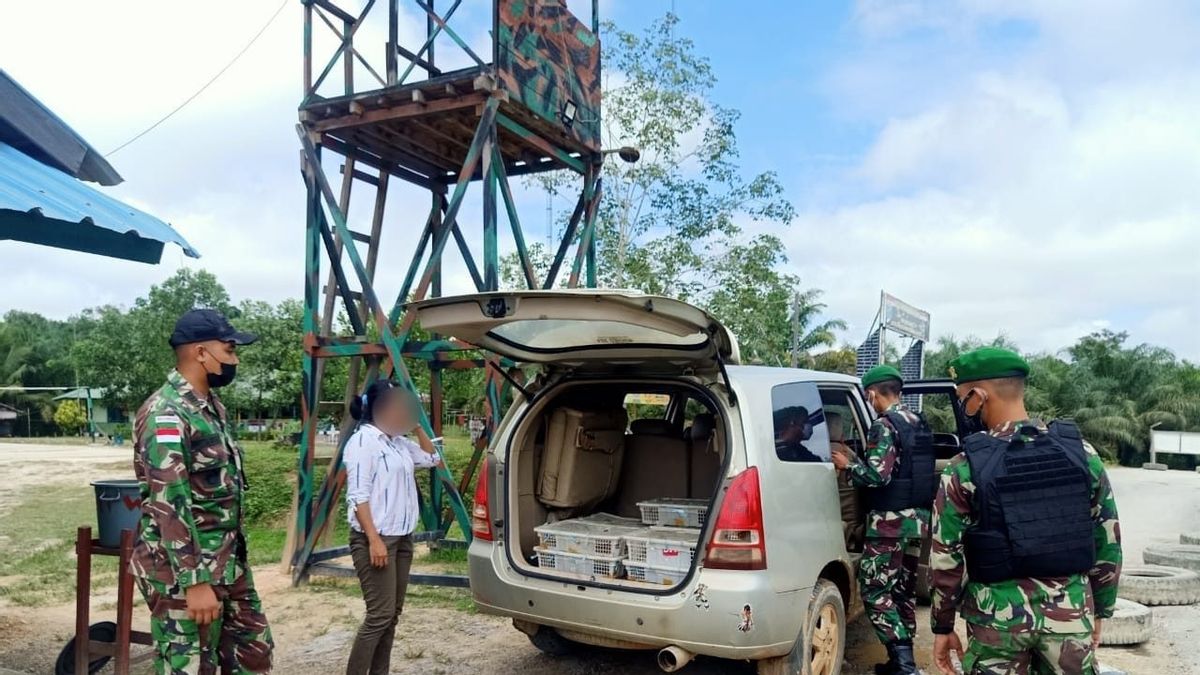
(638, 401)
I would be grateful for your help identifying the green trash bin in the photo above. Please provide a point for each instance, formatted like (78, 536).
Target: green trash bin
(118, 507)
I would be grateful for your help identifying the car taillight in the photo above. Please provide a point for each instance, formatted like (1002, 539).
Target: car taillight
(481, 517)
(737, 540)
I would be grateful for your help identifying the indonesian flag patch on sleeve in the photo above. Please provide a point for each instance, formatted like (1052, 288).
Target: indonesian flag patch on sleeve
(168, 429)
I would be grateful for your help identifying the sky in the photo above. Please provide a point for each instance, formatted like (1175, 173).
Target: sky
(1025, 167)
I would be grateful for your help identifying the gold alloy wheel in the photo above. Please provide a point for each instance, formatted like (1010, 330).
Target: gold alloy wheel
(825, 642)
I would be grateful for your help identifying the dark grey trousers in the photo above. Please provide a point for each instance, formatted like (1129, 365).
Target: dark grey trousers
(383, 590)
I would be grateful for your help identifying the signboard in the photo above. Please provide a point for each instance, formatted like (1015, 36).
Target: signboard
(905, 319)
(1175, 442)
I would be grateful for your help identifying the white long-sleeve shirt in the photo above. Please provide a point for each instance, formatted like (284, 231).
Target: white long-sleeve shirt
(380, 472)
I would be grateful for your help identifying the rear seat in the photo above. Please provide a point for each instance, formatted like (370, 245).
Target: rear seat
(655, 465)
(582, 458)
(705, 462)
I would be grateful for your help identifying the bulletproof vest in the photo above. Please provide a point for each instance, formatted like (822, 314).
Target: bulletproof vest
(1033, 506)
(914, 477)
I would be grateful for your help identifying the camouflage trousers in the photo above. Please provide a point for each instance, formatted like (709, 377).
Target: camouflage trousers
(996, 652)
(887, 579)
(238, 642)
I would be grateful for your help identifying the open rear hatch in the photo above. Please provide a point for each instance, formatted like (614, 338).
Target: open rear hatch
(577, 328)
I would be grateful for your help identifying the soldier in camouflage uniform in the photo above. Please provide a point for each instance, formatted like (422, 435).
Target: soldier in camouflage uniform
(892, 549)
(190, 554)
(1026, 611)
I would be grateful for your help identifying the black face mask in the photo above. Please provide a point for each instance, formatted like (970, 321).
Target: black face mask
(974, 422)
(223, 378)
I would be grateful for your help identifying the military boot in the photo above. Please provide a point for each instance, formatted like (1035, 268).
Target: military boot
(905, 664)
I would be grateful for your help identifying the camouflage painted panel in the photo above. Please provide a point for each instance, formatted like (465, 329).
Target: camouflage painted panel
(545, 58)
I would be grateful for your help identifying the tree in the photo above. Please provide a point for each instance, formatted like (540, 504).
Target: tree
(672, 223)
(843, 360)
(70, 416)
(126, 352)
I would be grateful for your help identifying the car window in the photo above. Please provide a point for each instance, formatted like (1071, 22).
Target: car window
(798, 419)
(642, 406)
(843, 420)
(938, 412)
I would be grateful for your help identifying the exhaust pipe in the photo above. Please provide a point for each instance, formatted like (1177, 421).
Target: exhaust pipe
(673, 658)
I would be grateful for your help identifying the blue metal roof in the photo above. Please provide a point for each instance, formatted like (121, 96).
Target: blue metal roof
(41, 204)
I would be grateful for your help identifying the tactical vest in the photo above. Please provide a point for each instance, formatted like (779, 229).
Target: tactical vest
(914, 477)
(1033, 506)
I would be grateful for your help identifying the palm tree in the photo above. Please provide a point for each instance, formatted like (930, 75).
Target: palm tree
(806, 309)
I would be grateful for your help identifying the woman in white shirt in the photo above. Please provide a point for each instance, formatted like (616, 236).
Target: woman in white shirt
(381, 501)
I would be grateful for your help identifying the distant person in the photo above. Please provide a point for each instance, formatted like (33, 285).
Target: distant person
(899, 472)
(792, 428)
(190, 553)
(383, 508)
(1026, 542)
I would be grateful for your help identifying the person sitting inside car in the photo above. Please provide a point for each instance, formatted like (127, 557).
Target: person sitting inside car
(792, 428)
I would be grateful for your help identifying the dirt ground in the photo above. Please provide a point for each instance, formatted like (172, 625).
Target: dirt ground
(313, 626)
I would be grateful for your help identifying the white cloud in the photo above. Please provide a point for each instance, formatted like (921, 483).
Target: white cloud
(1045, 195)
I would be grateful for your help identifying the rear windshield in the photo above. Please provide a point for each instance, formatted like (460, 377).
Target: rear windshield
(552, 334)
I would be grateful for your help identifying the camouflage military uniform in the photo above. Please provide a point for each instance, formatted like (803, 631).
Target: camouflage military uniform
(190, 471)
(887, 575)
(1022, 625)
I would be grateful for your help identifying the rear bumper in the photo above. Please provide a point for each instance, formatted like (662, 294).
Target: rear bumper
(706, 617)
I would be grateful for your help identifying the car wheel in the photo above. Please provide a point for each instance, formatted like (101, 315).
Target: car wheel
(549, 642)
(821, 646)
(1158, 585)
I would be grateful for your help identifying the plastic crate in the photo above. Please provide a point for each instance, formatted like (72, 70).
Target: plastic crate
(651, 575)
(591, 567)
(670, 548)
(587, 537)
(672, 512)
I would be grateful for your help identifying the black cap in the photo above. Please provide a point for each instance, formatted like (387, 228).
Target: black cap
(200, 325)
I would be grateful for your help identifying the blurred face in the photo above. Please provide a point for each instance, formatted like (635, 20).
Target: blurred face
(393, 413)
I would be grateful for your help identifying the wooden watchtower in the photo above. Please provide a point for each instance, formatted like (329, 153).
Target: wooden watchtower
(529, 104)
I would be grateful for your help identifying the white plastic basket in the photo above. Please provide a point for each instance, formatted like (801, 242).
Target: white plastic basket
(591, 567)
(664, 547)
(599, 535)
(674, 512)
(650, 575)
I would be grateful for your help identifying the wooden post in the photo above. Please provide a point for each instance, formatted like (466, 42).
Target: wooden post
(124, 604)
(83, 596)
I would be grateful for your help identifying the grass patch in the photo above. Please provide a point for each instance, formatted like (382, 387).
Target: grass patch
(37, 556)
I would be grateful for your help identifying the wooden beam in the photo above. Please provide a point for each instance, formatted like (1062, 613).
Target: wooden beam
(401, 111)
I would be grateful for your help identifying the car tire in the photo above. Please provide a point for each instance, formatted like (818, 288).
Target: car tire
(1158, 585)
(1190, 538)
(1186, 556)
(550, 643)
(1130, 624)
(1155, 466)
(821, 646)
(105, 631)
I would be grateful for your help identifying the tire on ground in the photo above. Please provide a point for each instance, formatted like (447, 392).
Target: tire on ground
(1158, 585)
(1186, 556)
(1154, 466)
(799, 662)
(1130, 624)
(1190, 538)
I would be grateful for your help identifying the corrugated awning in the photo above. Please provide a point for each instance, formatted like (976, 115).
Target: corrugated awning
(42, 205)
